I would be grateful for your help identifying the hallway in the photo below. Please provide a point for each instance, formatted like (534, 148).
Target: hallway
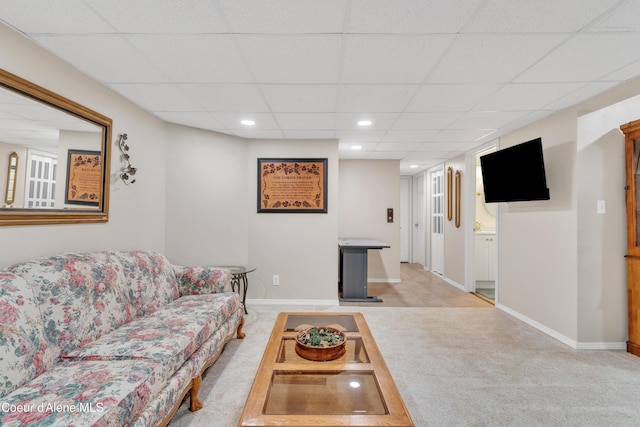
(419, 288)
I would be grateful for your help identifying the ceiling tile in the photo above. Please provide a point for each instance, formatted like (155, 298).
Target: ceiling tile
(492, 58)
(527, 97)
(425, 120)
(289, 59)
(160, 17)
(194, 119)
(463, 135)
(624, 18)
(364, 146)
(391, 59)
(195, 59)
(157, 97)
(300, 98)
(417, 135)
(227, 97)
(398, 146)
(311, 121)
(387, 155)
(232, 121)
(486, 119)
(374, 98)
(307, 134)
(410, 16)
(52, 17)
(440, 146)
(379, 120)
(442, 98)
(574, 60)
(541, 16)
(359, 135)
(585, 92)
(107, 58)
(284, 16)
(259, 134)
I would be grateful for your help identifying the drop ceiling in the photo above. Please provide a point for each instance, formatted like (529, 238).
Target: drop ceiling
(435, 77)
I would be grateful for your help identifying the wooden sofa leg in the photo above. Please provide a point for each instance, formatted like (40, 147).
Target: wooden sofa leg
(196, 405)
(241, 334)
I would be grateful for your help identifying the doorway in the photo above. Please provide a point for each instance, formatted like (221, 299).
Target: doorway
(485, 237)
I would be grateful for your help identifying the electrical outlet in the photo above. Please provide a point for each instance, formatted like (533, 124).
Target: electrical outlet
(601, 207)
(275, 280)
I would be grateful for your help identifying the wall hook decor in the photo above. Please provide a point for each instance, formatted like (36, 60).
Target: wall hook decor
(127, 171)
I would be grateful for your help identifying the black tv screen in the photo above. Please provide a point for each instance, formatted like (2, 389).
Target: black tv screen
(515, 174)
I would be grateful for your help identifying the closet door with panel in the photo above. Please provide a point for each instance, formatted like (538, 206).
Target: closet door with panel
(632, 160)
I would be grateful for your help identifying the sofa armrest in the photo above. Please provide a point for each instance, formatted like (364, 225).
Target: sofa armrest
(202, 280)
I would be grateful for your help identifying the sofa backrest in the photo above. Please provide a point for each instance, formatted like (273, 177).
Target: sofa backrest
(151, 281)
(81, 296)
(24, 352)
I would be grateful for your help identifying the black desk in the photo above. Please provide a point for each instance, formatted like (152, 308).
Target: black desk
(353, 268)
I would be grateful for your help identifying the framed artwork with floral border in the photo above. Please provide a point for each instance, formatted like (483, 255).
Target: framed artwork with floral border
(84, 178)
(292, 185)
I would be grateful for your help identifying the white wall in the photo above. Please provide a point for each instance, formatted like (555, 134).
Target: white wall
(454, 236)
(206, 208)
(602, 301)
(367, 189)
(561, 265)
(302, 248)
(137, 212)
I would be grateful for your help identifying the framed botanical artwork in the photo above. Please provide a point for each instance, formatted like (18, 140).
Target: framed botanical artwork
(84, 178)
(292, 185)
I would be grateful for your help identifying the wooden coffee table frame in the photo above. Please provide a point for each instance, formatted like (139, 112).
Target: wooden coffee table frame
(254, 409)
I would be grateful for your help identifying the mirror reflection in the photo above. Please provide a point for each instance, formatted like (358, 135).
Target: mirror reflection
(11, 179)
(61, 154)
(41, 137)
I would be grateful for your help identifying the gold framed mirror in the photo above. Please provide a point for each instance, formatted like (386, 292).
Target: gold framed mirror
(42, 128)
(12, 173)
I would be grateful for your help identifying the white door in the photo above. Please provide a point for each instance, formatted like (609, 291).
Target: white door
(418, 220)
(405, 211)
(437, 221)
(41, 180)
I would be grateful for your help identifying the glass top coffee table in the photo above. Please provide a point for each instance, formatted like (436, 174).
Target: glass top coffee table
(355, 389)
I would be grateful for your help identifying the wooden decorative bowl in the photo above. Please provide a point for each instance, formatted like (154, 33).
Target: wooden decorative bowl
(317, 353)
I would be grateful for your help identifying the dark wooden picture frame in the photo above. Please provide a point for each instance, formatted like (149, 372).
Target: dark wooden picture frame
(84, 178)
(292, 185)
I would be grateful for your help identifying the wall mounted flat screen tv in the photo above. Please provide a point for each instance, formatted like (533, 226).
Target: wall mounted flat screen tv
(515, 174)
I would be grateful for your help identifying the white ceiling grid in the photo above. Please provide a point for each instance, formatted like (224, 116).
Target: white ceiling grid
(435, 77)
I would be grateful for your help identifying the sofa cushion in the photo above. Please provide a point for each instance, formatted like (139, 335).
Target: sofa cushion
(202, 280)
(81, 296)
(24, 353)
(151, 281)
(87, 393)
(169, 336)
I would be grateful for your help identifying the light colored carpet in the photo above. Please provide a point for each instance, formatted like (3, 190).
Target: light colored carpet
(458, 366)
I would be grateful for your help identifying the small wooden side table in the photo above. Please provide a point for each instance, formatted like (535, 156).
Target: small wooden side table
(239, 277)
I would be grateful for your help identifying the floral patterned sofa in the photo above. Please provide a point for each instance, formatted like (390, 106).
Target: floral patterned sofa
(109, 338)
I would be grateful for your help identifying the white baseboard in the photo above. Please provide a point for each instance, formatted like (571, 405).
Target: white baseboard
(369, 280)
(563, 339)
(454, 283)
(268, 301)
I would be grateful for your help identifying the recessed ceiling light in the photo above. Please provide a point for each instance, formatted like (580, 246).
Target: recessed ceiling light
(248, 122)
(364, 123)
(356, 147)
(413, 166)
